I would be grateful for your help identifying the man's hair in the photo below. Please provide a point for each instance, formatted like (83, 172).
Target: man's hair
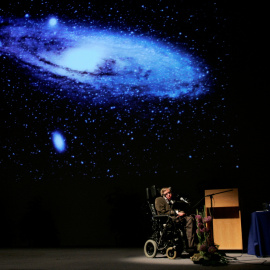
(164, 189)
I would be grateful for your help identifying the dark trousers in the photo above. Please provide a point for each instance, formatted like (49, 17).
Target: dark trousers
(189, 229)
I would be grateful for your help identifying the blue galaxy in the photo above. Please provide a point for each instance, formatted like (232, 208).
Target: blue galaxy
(101, 61)
(58, 141)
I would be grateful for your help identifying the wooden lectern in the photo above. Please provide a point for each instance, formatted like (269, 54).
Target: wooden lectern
(227, 228)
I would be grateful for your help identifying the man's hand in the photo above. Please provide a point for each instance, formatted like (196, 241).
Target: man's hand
(181, 213)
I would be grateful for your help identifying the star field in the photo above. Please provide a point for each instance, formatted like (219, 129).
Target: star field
(110, 134)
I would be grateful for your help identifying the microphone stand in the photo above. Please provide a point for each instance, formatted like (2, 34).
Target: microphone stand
(211, 200)
(211, 208)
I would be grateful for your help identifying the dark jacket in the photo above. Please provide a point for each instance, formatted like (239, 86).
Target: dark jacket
(163, 208)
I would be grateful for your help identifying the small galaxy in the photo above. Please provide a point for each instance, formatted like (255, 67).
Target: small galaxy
(109, 91)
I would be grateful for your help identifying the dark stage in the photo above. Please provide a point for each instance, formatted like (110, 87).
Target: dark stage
(119, 259)
(102, 99)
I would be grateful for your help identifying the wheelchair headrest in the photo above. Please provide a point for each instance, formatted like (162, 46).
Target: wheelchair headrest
(152, 192)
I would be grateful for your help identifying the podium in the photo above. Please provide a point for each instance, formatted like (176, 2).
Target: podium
(227, 228)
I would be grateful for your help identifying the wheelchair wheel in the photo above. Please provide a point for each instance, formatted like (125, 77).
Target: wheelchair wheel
(150, 248)
(171, 253)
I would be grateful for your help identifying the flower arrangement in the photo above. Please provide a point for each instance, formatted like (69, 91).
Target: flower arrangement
(208, 253)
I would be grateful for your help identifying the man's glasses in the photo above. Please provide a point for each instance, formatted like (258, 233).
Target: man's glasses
(167, 193)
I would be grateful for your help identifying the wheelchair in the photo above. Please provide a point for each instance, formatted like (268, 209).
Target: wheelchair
(167, 235)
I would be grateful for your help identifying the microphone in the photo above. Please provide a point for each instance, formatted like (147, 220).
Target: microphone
(183, 200)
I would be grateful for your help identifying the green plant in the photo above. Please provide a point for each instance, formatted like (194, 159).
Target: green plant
(208, 253)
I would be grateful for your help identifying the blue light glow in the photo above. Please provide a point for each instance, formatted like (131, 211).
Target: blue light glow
(82, 58)
(52, 21)
(58, 141)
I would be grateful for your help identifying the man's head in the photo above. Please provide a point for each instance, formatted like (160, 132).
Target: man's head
(166, 192)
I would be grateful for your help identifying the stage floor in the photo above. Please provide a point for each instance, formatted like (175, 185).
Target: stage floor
(111, 258)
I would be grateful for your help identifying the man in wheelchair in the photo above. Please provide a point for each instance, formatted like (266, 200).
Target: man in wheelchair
(173, 229)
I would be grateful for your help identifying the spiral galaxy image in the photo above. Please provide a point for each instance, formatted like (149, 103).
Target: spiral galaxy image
(116, 95)
(123, 64)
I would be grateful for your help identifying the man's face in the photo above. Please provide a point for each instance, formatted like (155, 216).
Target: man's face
(168, 194)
